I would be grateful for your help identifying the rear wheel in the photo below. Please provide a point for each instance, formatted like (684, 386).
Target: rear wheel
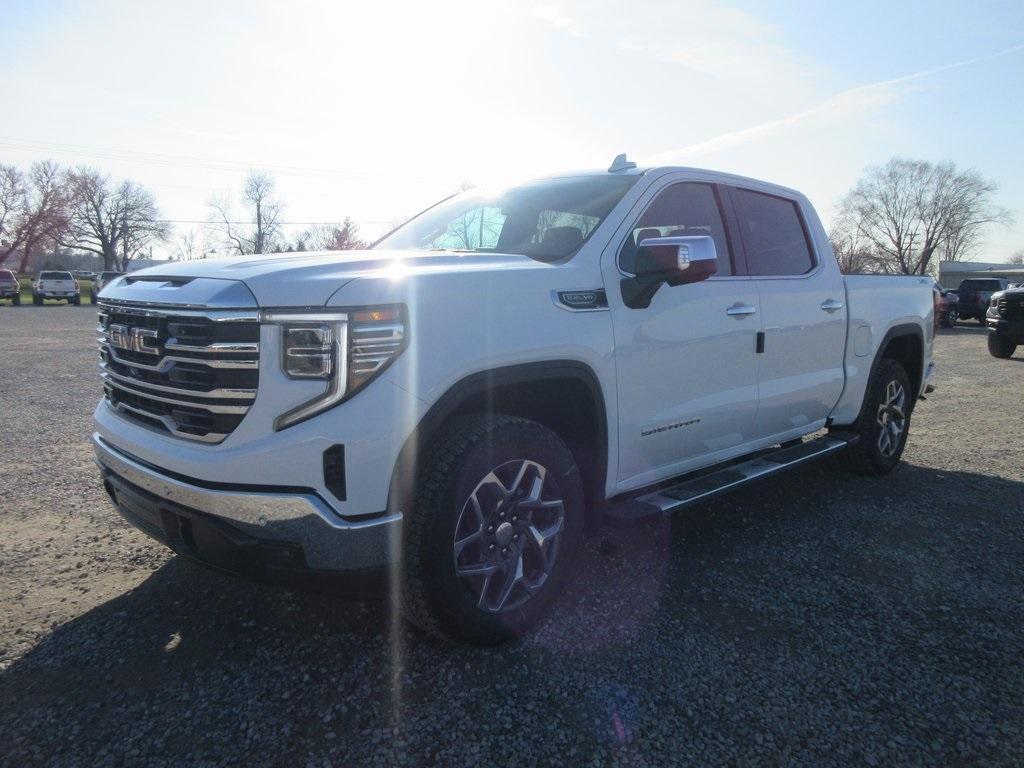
(77, 301)
(1000, 346)
(37, 301)
(981, 320)
(16, 301)
(493, 530)
(884, 421)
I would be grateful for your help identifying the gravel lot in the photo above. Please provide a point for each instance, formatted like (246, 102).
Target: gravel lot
(820, 619)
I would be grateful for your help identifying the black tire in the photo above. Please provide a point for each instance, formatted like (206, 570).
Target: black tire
(454, 471)
(92, 297)
(949, 319)
(16, 301)
(981, 320)
(37, 301)
(1000, 346)
(77, 301)
(866, 456)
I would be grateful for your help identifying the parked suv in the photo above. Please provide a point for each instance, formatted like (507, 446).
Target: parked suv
(56, 285)
(975, 294)
(510, 369)
(10, 288)
(100, 281)
(1006, 322)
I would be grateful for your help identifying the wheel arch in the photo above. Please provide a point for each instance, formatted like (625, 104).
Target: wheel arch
(563, 395)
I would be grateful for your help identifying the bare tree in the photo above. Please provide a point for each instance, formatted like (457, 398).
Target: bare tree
(261, 230)
(189, 246)
(908, 211)
(331, 237)
(117, 223)
(33, 209)
(1017, 257)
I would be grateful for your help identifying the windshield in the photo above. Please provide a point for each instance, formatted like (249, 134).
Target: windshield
(546, 220)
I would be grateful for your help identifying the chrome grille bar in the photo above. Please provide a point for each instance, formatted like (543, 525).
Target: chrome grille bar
(196, 388)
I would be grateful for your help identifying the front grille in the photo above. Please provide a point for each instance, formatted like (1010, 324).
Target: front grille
(191, 373)
(1011, 308)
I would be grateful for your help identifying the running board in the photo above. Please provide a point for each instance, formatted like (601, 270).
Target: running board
(680, 495)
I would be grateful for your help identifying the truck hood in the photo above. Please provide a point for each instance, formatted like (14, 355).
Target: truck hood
(310, 279)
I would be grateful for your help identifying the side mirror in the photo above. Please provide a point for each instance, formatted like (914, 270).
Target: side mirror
(672, 260)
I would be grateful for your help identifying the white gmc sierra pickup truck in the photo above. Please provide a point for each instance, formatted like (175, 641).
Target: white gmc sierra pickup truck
(456, 406)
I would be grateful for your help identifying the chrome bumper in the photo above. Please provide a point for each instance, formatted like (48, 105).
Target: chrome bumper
(303, 519)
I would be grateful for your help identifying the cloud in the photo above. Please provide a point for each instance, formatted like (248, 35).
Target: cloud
(703, 36)
(843, 105)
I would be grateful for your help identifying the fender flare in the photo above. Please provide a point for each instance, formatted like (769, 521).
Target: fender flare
(489, 380)
(897, 331)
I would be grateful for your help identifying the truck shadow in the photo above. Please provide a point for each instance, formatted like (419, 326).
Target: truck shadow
(196, 659)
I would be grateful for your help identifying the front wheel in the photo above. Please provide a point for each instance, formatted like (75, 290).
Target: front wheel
(493, 530)
(949, 320)
(884, 421)
(981, 320)
(1000, 346)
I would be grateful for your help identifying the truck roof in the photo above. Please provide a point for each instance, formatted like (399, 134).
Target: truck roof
(719, 176)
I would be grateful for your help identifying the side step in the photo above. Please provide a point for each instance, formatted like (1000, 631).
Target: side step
(703, 487)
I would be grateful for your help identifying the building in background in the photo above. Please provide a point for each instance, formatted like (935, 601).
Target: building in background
(952, 273)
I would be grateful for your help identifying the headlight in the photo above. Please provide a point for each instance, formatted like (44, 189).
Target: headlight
(347, 350)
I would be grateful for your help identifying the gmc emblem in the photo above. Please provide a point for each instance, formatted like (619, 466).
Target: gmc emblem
(143, 340)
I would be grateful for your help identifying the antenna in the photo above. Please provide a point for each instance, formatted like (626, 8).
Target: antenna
(620, 163)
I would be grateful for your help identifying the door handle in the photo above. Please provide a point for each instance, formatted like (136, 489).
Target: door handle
(831, 305)
(740, 310)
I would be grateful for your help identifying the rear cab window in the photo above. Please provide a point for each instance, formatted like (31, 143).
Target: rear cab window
(55, 276)
(980, 285)
(774, 236)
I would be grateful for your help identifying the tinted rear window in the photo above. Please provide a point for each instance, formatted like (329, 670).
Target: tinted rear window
(773, 234)
(6, 274)
(980, 285)
(55, 276)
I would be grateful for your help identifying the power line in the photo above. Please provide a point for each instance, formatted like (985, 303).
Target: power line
(281, 223)
(174, 161)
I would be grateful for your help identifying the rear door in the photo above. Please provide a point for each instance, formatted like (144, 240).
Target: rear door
(803, 308)
(686, 365)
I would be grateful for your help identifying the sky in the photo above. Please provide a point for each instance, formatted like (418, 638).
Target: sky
(375, 110)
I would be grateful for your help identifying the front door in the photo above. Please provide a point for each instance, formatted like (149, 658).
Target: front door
(687, 364)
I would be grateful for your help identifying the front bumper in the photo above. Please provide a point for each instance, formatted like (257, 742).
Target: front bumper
(1013, 329)
(269, 534)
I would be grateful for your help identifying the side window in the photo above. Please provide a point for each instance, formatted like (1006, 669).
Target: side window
(773, 235)
(681, 209)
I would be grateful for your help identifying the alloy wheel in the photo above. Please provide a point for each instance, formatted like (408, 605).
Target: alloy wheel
(892, 418)
(507, 536)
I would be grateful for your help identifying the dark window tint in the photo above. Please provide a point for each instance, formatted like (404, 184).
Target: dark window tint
(680, 210)
(981, 285)
(55, 276)
(773, 234)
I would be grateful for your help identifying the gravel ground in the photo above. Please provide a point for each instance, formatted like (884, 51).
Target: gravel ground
(821, 619)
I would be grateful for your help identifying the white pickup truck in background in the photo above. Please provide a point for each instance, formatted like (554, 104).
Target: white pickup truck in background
(56, 285)
(458, 404)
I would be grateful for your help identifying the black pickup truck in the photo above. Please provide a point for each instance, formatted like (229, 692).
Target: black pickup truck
(1005, 322)
(975, 294)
